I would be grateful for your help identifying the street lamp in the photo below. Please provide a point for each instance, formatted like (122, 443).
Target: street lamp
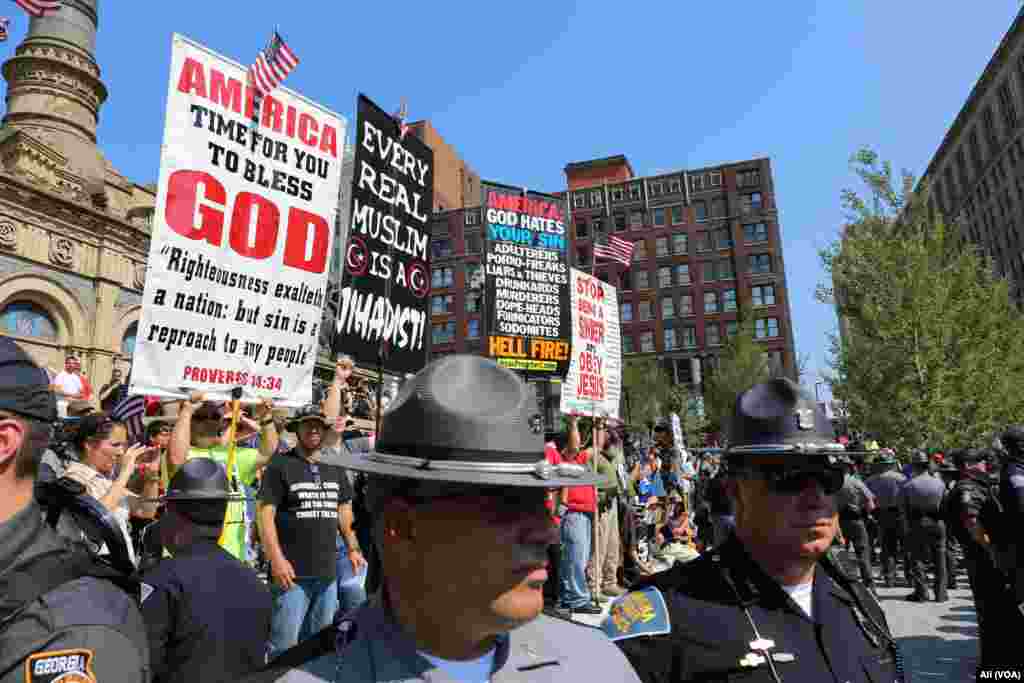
(817, 394)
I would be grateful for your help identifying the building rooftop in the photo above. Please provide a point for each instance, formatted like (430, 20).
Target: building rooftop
(616, 160)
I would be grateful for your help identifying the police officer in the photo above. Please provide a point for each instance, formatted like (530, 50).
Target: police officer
(768, 604)
(207, 614)
(62, 615)
(457, 489)
(855, 502)
(922, 504)
(887, 487)
(1010, 544)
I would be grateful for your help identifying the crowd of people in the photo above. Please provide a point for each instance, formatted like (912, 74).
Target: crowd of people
(298, 547)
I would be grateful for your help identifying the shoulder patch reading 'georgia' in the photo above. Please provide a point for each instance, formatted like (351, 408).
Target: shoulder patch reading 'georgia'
(60, 666)
(638, 613)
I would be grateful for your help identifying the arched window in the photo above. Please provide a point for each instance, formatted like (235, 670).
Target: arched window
(27, 319)
(128, 342)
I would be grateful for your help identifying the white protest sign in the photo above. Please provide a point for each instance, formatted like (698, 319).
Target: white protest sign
(594, 381)
(241, 240)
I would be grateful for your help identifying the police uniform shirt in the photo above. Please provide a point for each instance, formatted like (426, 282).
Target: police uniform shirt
(372, 647)
(888, 488)
(88, 628)
(923, 494)
(687, 624)
(853, 497)
(207, 616)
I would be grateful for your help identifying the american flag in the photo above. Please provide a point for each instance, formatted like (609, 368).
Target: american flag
(400, 115)
(4, 24)
(130, 410)
(617, 249)
(38, 8)
(272, 65)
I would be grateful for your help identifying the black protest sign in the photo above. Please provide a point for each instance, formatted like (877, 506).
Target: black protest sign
(382, 305)
(527, 280)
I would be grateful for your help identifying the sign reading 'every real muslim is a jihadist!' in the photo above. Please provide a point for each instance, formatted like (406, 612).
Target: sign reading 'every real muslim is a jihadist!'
(242, 231)
(382, 306)
(526, 280)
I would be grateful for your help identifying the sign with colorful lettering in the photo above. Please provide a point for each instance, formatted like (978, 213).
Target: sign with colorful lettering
(594, 382)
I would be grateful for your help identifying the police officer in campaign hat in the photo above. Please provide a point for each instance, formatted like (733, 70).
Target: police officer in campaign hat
(456, 487)
(923, 498)
(207, 614)
(769, 604)
(63, 614)
(887, 486)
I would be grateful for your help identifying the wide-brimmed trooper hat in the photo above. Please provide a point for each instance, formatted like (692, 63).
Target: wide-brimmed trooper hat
(774, 423)
(198, 480)
(307, 413)
(465, 419)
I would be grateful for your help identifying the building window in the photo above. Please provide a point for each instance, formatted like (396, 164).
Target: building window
(640, 250)
(473, 302)
(654, 187)
(677, 215)
(723, 238)
(670, 338)
(711, 302)
(763, 295)
(766, 327)
(659, 217)
(682, 273)
(697, 182)
(441, 248)
(755, 232)
(582, 255)
(661, 246)
(626, 280)
(748, 178)
(474, 276)
(472, 217)
(474, 244)
(645, 310)
(626, 312)
(703, 242)
(581, 229)
(731, 328)
(668, 308)
(715, 179)
(751, 202)
(689, 336)
(26, 319)
(719, 208)
(443, 333)
(128, 340)
(441, 304)
(620, 222)
(617, 194)
(643, 279)
(665, 276)
(679, 245)
(578, 200)
(728, 299)
(712, 334)
(596, 198)
(598, 227)
(707, 273)
(636, 219)
(700, 209)
(634, 191)
(442, 277)
(1007, 106)
(991, 135)
(760, 263)
(674, 186)
(627, 343)
(725, 270)
(974, 149)
(646, 342)
(473, 328)
(686, 304)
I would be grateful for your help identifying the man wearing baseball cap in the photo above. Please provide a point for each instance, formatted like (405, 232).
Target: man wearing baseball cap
(60, 611)
(457, 489)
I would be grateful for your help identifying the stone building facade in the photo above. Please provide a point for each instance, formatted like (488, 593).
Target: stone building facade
(74, 233)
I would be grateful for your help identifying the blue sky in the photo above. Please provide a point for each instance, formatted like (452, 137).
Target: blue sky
(520, 89)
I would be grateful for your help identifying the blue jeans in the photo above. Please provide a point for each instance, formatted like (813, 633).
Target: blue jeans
(350, 595)
(572, 573)
(301, 612)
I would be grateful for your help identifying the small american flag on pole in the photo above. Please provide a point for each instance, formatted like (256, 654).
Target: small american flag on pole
(130, 410)
(272, 65)
(400, 116)
(617, 249)
(39, 8)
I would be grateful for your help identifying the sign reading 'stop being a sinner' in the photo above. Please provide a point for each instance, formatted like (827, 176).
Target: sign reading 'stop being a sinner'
(382, 307)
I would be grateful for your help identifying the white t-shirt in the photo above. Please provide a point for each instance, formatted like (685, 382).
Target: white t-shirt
(70, 383)
(801, 594)
(471, 671)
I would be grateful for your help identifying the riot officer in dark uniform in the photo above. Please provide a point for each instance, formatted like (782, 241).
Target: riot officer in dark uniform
(207, 614)
(922, 503)
(1009, 539)
(769, 604)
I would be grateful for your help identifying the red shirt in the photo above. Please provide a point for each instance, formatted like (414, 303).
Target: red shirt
(554, 458)
(582, 498)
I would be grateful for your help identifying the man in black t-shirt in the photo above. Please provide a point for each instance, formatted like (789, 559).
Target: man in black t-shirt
(304, 505)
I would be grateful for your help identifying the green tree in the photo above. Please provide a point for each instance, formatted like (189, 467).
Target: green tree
(649, 391)
(933, 350)
(742, 364)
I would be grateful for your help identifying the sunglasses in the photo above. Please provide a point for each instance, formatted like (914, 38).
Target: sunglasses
(787, 481)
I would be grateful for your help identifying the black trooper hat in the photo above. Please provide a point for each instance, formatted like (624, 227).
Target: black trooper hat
(1013, 440)
(24, 386)
(919, 457)
(199, 479)
(464, 419)
(305, 414)
(774, 423)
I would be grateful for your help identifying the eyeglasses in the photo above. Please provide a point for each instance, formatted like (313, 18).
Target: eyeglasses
(787, 481)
